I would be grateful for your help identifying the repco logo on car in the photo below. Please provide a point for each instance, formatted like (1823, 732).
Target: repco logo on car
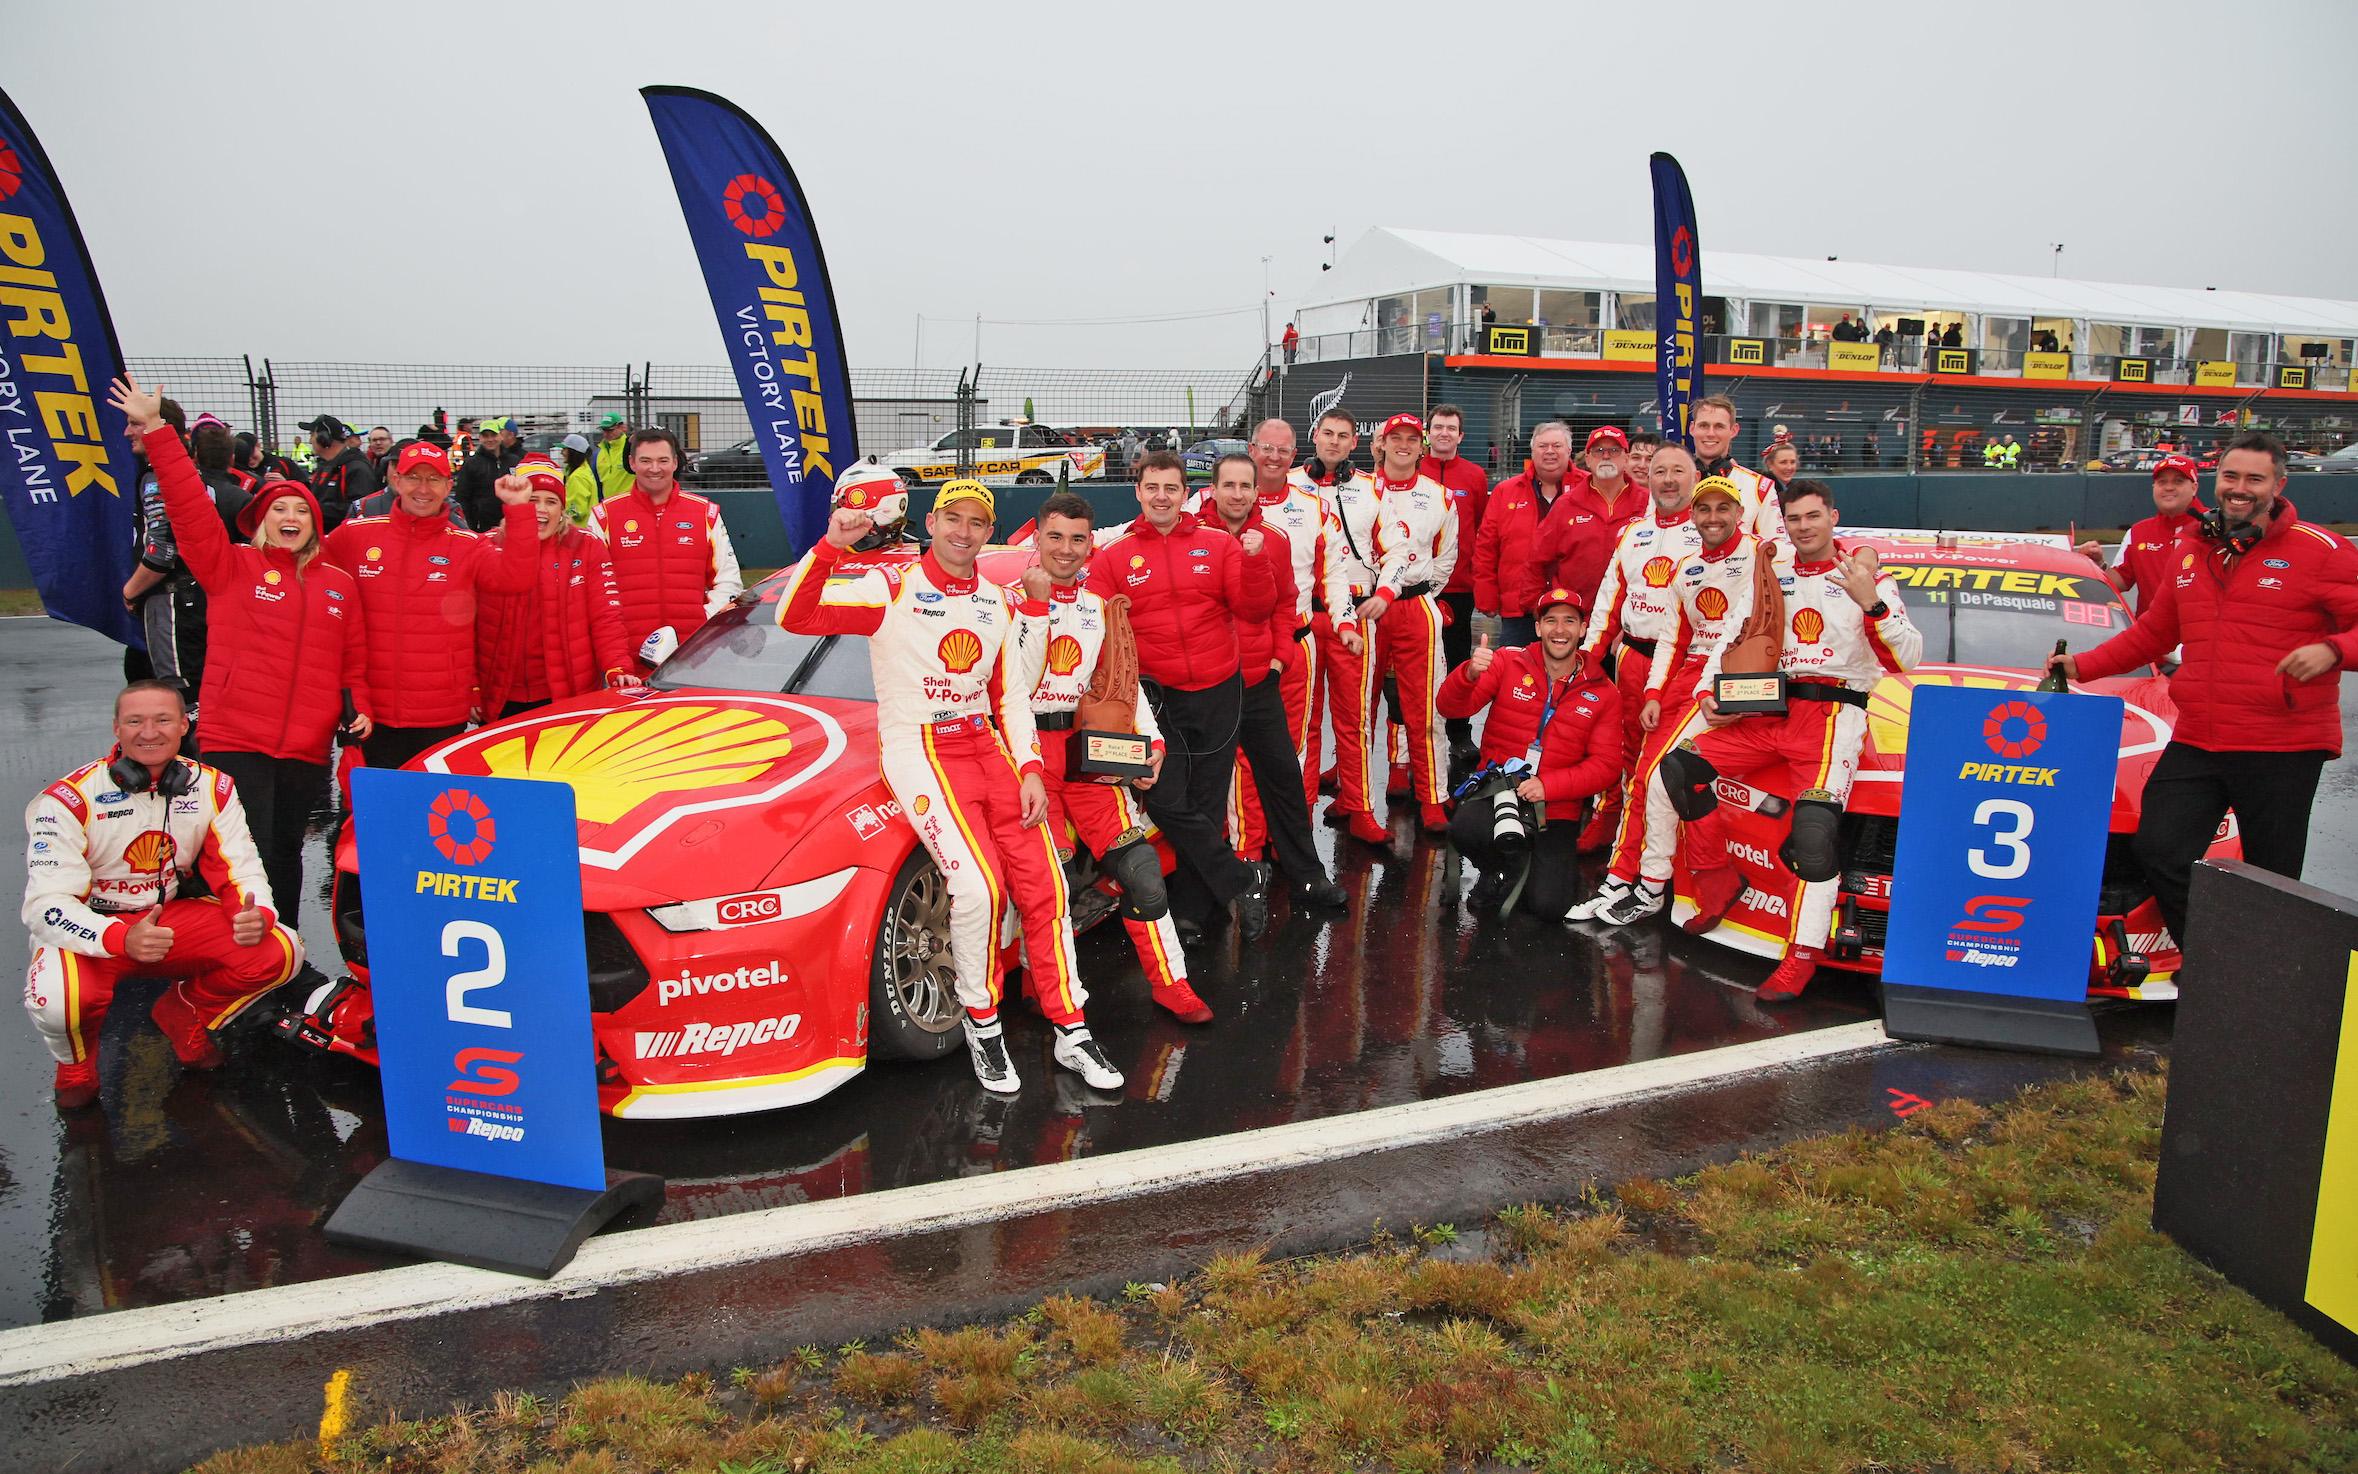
(696, 985)
(721, 1039)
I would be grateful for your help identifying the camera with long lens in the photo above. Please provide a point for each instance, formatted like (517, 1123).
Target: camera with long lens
(1491, 788)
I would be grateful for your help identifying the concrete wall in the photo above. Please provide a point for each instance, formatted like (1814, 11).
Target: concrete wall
(1966, 500)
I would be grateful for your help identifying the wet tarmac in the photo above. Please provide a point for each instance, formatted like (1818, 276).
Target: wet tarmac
(183, 1186)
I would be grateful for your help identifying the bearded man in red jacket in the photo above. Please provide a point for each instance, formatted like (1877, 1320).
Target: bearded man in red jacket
(2266, 608)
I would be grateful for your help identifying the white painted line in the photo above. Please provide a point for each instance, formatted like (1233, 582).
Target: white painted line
(100, 1343)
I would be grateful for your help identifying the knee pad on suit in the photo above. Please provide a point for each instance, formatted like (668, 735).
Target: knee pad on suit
(1687, 777)
(1138, 868)
(1813, 850)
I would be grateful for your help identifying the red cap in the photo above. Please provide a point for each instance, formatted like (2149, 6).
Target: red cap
(1560, 595)
(1401, 422)
(422, 455)
(2177, 466)
(1607, 435)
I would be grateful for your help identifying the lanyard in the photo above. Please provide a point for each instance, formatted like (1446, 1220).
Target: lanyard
(1556, 692)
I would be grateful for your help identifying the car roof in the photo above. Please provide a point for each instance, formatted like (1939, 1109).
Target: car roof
(2036, 552)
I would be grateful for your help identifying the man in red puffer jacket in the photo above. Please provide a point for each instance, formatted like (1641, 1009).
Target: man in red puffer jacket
(2266, 608)
(674, 566)
(418, 578)
(563, 636)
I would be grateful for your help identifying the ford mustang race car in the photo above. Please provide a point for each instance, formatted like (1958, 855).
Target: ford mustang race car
(759, 915)
(1991, 608)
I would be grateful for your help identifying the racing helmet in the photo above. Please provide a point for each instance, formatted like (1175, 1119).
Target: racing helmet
(868, 487)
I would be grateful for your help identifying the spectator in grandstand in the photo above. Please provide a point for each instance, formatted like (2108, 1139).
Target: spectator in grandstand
(2148, 555)
(420, 578)
(1847, 331)
(1883, 341)
(498, 449)
(1953, 336)
(582, 491)
(674, 566)
(291, 658)
(1468, 489)
(1545, 699)
(379, 450)
(612, 456)
(339, 472)
(563, 635)
(1292, 341)
(2264, 608)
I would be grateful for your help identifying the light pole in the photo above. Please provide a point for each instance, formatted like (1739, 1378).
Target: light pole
(2055, 266)
(1266, 341)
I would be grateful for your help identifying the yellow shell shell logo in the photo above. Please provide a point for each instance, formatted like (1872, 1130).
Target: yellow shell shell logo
(2186, 562)
(631, 526)
(375, 553)
(959, 650)
(150, 852)
(1889, 703)
(923, 803)
(1808, 624)
(1137, 560)
(1064, 655)
(1711, 603)
(1658, 570)
(617, 760)
(1529, 681)
(271, 576)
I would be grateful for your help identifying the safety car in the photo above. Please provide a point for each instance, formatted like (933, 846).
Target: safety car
(759, 917)
(1991, 608)
(1003, 455)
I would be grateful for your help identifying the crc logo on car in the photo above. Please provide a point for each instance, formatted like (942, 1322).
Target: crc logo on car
(728, 980)
(721, 1039)
(742, 910)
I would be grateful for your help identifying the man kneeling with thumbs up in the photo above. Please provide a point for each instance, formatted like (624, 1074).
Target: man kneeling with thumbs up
(108, 849)
(1556, 713)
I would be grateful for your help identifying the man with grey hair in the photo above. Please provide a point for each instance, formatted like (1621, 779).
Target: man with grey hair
(1508, 577)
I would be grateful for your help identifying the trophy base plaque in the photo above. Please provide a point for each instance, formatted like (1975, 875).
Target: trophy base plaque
(1110, 757)
(1750, 695)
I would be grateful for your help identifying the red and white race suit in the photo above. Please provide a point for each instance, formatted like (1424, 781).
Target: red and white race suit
(1635, 609)
(1764, 510)
(946, 652)
(1351, 515)
(1416, 551)
(1101, 815)
(97, 858)
(1811, 751)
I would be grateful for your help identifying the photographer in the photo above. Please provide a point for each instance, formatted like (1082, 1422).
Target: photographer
(1556, 717)
(2266, 609)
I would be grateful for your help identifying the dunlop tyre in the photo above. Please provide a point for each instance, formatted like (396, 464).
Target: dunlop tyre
(912, 990)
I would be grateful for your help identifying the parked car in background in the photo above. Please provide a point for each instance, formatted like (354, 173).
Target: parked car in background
(737, 467)
(2345, 459)
(1003, 455)
(1202, 456)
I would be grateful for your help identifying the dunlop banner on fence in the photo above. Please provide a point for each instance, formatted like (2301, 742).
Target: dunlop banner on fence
(1678, 299)
(65, 459)
(768, 278)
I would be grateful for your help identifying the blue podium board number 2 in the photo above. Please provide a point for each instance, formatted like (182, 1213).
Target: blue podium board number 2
(472, 891)
(2004, 816)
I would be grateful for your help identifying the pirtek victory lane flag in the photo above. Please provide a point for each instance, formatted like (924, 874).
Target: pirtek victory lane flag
(760, 254)
(1678, 297)
(65, 459)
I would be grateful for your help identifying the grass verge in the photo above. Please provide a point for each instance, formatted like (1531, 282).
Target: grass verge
(1972, 1290)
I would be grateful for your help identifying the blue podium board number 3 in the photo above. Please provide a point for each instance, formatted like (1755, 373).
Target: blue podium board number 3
(472, 890)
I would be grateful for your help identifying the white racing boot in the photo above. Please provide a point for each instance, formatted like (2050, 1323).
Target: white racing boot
(1079, 1052)
(986, 1044)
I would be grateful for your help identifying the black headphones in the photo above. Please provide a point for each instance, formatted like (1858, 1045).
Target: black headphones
(2236, 537)
(177, 778)
(1319, 470)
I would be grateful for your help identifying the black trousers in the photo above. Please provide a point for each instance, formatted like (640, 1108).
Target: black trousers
(1267, 746)
(1518, 629)
(1457, 642)
(390, 747)
(1554, 882)
(1189, 802)
(279, 794)
(2192, 789)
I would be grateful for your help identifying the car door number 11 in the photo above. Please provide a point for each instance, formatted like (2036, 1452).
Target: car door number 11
(2007, 854)
(490, 975)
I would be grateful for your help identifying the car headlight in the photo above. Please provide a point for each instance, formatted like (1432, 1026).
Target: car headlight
(753, 908)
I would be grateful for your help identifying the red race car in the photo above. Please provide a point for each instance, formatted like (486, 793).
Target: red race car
(1991, 607)
(759, 915)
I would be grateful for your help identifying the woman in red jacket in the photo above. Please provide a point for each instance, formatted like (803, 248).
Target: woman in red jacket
(1552, 708)
(287, 646)
(563, 636)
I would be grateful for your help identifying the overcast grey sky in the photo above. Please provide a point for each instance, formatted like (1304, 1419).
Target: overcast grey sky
(478, 182)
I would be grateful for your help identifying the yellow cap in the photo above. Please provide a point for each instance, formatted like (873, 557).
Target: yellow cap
(966, 490)
(1719, 486)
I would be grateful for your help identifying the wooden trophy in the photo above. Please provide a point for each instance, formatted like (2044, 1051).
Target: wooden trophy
(1104, 746)
(1749, 681)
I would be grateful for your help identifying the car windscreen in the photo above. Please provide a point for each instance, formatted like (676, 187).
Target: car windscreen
(2006, 617)
(742, 649)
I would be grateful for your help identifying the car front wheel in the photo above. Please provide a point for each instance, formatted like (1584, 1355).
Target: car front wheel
(912, 981)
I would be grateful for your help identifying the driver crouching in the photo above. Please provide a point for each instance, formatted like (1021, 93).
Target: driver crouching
(1551, 743)
(108, 849)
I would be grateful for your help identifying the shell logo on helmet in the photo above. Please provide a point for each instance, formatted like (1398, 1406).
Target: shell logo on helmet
(1808, 624)
(1711, 603)
(1064, 655)
(959, 650)
(1658, 571)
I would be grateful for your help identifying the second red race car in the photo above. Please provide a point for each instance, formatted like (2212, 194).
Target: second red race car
(1991, 607)
(759, 916)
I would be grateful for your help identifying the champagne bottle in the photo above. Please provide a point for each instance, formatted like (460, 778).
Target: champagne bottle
(2053, 680)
